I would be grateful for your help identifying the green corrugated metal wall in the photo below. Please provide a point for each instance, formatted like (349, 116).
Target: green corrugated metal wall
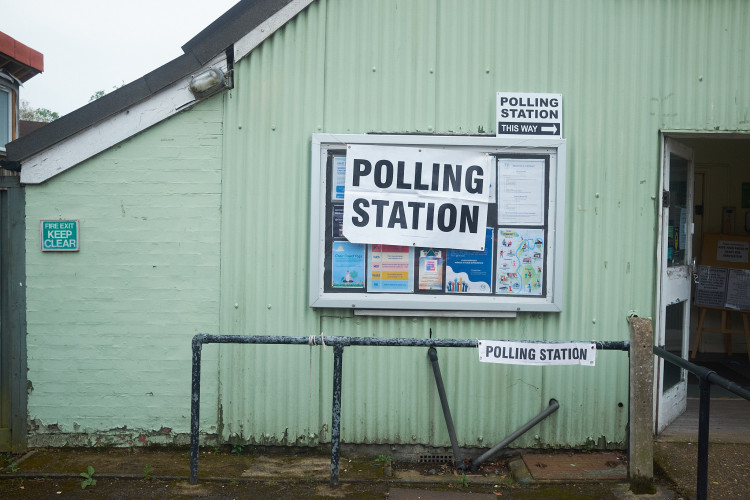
(627, 70)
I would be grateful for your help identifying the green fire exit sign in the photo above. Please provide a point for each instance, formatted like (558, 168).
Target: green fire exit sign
(59, 235)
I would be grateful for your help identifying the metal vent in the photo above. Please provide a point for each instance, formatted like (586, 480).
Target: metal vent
(426, 458)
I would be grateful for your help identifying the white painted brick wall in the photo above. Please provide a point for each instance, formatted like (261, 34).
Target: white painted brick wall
(110, 327)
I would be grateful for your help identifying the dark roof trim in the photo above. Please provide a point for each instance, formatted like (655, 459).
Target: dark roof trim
(231, 26)
(212, 41)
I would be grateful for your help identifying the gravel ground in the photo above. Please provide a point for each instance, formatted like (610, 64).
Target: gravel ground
(728, 468)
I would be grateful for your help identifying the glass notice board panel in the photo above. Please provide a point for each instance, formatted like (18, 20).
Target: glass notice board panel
(453, 223)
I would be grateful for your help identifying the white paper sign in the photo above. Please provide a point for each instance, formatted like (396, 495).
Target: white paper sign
(425, 197)
(738, 289)
(520, 198)
(537, 353)
(732, 251)
(525, 115)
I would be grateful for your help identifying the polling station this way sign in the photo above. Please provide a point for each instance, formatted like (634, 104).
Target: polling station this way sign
(425, 197)
(527, 115)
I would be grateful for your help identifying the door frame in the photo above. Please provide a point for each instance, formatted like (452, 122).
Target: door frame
(13, 313)
(668, 406)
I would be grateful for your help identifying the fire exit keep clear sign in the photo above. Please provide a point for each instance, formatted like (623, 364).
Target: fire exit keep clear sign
(59, 235)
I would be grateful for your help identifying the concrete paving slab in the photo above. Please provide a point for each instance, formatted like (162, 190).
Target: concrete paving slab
(404, 494)
(607, 466)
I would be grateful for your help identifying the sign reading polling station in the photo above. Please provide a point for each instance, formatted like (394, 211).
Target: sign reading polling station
(537, 353)
(426, 197)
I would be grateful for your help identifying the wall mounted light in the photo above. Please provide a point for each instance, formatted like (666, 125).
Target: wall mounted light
(208, 82)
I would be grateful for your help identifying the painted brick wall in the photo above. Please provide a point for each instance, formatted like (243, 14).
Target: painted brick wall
(110, 327)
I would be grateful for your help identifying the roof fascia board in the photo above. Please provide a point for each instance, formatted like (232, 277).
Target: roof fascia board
(113, 130)
(98, 110)
(247, 43)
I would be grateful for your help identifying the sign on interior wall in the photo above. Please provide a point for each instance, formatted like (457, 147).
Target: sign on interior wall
(59, 235)
(425, 197)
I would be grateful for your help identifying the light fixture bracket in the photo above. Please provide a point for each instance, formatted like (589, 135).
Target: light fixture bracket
(208, 82)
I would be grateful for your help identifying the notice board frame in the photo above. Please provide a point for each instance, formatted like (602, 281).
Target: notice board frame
(550, 301)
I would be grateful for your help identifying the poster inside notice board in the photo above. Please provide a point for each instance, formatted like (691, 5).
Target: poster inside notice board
(511, 269)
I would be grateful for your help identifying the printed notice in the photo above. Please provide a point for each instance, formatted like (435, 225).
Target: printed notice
(423, 197)
(339, 178)
(732, 251)
(537, 353)
(347, 265)
(470, 271)
(391, 268)
(430, 269)
(520, 261)
(738, 289)
(338, 221)
(711, 286)
(520, 196)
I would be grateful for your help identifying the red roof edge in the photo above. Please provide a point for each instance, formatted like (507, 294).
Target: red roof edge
(21, 53)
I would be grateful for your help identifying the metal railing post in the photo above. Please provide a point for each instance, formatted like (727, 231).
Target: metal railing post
(551, 408)
(338, 352)
(432, 353)
(704, 413)
(706, 377)
(195, 407)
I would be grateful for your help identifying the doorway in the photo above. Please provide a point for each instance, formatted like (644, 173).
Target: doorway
(12, 317)
(706, 181)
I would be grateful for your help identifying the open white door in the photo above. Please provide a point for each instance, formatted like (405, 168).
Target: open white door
(676, 268)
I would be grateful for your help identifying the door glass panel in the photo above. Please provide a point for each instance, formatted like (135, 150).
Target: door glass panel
(675, 318)
(677, 233)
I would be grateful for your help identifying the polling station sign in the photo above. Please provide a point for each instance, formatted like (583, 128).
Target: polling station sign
(537, 353)
(59, 235)
(426, 197)
(526, 115)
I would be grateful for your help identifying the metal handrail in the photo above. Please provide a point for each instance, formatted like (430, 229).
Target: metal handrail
(338, 343)
(706, 377)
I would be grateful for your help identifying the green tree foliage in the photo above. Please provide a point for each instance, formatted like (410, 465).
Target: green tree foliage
(26, 112)
(97, 95)
(101, 93)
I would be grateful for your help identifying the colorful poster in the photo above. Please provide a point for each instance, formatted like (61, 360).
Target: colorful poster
(391, 268)
(338, 221)
(347, 265)
(431, 269)
(520, 261)
(339, 178)
(469, 271)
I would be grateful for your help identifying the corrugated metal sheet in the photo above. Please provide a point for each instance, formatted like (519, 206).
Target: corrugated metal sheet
(627, 70)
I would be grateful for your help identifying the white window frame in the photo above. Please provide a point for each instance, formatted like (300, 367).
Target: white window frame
(4, 141)
(447, 303)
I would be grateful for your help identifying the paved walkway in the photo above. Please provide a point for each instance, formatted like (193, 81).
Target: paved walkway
(149, 473)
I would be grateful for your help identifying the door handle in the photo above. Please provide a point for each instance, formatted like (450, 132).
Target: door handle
(693, 269)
